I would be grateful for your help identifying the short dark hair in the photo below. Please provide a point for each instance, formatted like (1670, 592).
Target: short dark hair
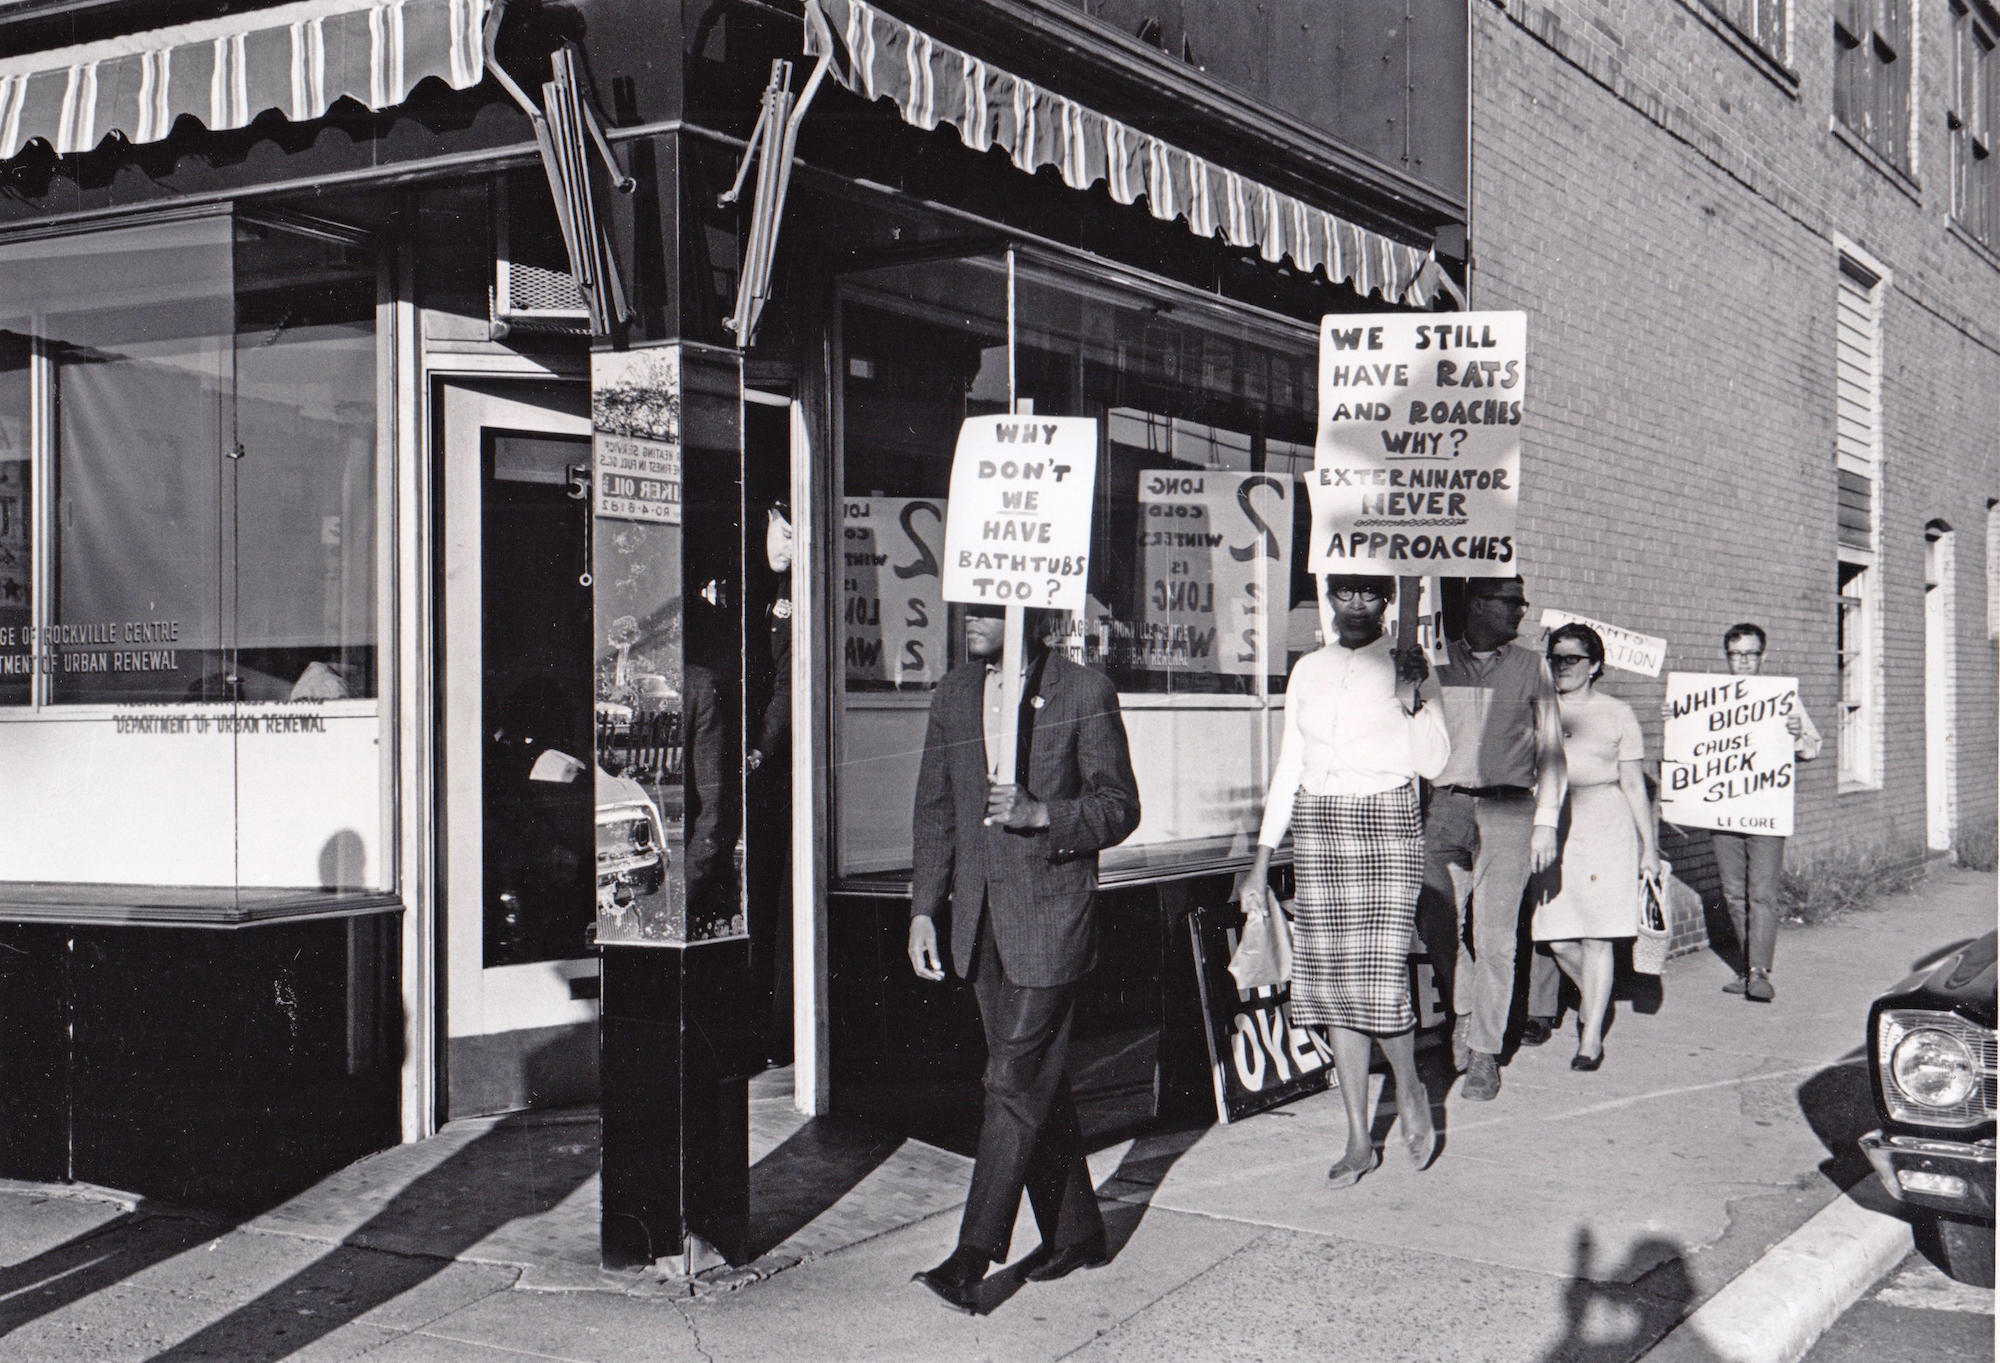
(1384, 587)
(1491, 586)
(1746, 630)
(1593, 644)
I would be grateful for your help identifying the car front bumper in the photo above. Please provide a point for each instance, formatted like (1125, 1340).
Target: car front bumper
(1955, 1177)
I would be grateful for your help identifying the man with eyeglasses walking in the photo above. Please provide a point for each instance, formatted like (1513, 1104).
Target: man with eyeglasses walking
(1491, 825)
(1749, 863)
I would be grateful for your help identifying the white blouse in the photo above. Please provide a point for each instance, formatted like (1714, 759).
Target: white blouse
(1346, 733)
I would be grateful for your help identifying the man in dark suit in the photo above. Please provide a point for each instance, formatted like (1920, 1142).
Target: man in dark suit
(1018, 864)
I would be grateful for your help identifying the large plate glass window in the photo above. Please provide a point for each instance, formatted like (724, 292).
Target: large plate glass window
(1198, 600)
(190, 451)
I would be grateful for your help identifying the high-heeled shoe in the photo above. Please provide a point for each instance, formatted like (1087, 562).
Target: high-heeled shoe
(1587, 1063)
(1422, 1145)
(1346, 1175)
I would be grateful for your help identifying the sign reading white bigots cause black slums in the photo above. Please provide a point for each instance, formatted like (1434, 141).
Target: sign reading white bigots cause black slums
(1727, 760)
(1417, 463)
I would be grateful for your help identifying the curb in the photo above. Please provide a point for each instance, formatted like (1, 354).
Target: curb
(1775, 1309)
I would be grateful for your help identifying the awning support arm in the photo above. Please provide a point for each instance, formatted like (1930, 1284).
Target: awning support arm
(773, 143)
(564, 123)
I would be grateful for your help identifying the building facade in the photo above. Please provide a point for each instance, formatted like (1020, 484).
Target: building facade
(410, 711)
(1757, 248)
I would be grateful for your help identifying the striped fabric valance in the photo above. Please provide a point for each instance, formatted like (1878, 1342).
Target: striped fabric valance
(297, 59)
(880, 57)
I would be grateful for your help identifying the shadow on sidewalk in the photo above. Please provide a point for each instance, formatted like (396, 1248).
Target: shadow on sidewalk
(121, 1248)
(1606, 1319)
(512, 1171)
(813, 1169)
(1129, 1190)
(1839, 1105)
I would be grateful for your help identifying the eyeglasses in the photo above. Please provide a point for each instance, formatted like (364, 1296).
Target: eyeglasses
(1567, 659)
(1368, 594)
(1744, 652)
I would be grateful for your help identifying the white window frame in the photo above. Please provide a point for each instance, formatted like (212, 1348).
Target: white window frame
(1860, 663)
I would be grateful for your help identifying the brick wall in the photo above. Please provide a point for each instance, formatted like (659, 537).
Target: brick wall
(1665, 206)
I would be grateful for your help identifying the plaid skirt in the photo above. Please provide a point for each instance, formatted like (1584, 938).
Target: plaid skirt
(1359, 863)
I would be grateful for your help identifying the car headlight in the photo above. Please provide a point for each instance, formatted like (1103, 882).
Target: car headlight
(1933, 1068)
(1936, 1068)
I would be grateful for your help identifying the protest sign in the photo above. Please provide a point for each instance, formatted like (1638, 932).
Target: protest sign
(1018, 532)
(1215, 550)
(1623, 649)
(891, 581)
(1727, 759)
(1416, 468)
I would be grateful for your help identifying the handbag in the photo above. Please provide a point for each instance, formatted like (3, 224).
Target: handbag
(1263, 955)
(1649, 948)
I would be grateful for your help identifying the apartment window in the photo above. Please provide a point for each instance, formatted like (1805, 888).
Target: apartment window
(1766, 23)
(1871, 74)
(1975, 90)
(1859, 651)
(1857, 474)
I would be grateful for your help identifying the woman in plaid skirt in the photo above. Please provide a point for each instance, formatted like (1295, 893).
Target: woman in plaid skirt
(1362, 724)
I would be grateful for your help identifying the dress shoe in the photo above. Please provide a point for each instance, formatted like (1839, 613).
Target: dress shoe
(1536, 1031)
(1348, 1172)
(1737, 985)
(956, 1280)
(1482, 1078)
(1587, 1063)
(1461, 1043)
(1758, 988)
(1063, 1262)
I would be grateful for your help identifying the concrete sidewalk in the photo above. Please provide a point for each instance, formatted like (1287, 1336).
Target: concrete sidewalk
(1578, 1216)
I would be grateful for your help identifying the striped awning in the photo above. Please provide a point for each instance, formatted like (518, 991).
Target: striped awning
(297, 59)
(930, 82)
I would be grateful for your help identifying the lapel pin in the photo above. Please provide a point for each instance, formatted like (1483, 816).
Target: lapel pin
(1038, 702)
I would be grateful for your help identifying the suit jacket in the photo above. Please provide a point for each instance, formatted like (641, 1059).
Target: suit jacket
(1035, 888)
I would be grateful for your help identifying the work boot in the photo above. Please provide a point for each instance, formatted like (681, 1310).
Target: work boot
(1758, 988)
(1482, 1078)
(1461, 1042)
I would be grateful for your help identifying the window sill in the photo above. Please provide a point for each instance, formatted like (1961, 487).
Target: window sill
(181, 906)
(1890, 171)
(1767, 65)
(1852, 787)
(1972, 243)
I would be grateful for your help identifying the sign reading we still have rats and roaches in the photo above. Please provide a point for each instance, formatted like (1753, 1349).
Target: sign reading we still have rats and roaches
(1417, 465)
(1727, 759)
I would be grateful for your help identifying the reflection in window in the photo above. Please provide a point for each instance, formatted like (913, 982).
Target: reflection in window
(215, 477)
(16, 519)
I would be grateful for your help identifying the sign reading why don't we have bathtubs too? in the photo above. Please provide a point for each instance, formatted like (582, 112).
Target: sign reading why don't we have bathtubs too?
(1017, 524)
(1727, 759)
(1417, 463)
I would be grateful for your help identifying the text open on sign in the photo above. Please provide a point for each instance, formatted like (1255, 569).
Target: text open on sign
(1017, 530)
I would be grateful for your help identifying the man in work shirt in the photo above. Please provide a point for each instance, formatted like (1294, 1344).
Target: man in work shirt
(1491, 825)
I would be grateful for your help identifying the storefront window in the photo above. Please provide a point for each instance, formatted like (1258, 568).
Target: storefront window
(1198, 600)
(189, 451)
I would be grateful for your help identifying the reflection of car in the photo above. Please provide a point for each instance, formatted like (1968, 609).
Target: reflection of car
(613, 717)
(1931, 1054)
(631, 856)
(654, 695)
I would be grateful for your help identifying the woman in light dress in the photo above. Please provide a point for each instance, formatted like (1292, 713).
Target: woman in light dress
(1591, 897)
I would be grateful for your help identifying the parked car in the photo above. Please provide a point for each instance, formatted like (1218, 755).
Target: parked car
(1931, 1055)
